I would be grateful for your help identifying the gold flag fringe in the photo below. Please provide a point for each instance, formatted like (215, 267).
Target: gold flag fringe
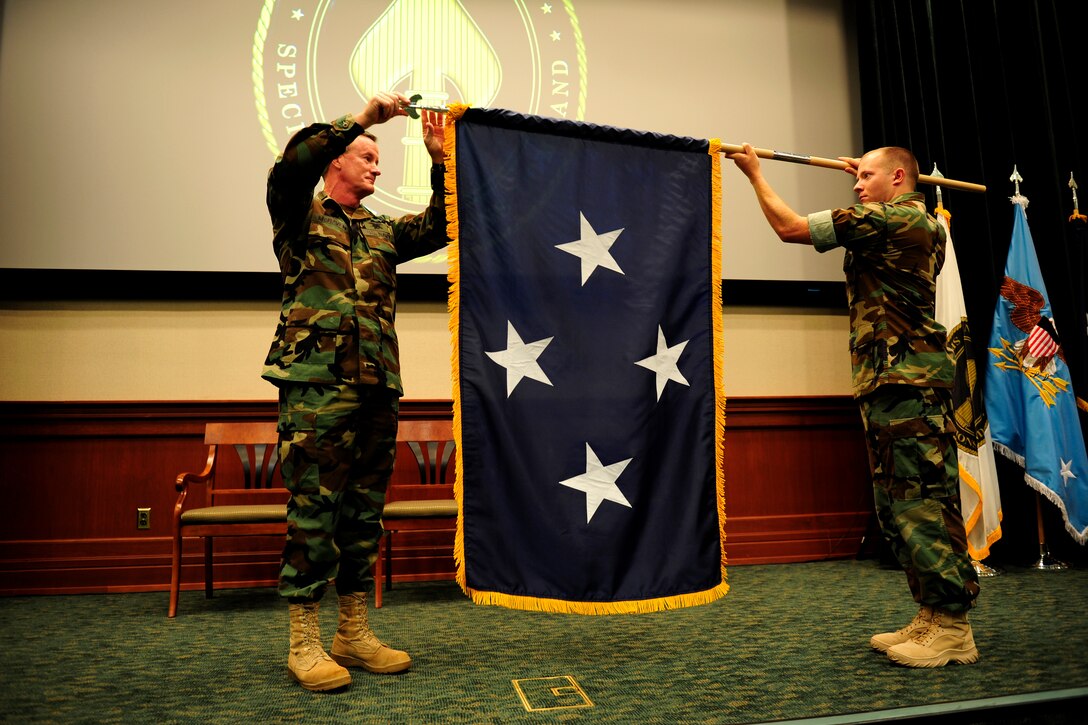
(719, 343)
(564, 606)
(543, 604)
(453, 231)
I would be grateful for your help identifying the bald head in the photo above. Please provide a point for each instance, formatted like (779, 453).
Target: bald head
(897, 157)
(885, 173)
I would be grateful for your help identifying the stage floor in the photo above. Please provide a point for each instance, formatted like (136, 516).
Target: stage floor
(788, 642)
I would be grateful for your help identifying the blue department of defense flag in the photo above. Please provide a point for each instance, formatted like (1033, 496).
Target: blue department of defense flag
(585, 306)
(1029, 396)
(980, 496)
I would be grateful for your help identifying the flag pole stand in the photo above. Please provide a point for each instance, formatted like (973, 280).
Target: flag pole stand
(984, 570)
(1046, 562)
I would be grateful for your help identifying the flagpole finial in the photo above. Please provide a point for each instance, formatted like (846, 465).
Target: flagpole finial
(936, 174)
(1017, 198)
(1076, 215)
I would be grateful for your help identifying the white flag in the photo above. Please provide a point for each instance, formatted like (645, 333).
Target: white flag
(980, 498)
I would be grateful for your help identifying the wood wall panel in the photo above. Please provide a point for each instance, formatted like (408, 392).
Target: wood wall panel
(73, 475)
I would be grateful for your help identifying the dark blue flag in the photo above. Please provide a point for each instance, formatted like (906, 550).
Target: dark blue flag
(586, 311)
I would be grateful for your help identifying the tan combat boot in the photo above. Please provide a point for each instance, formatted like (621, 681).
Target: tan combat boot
(308, 662)
(355, 644)
(889, 639)
(947, 639)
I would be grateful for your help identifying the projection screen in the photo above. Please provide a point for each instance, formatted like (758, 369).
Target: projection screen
(137, 135)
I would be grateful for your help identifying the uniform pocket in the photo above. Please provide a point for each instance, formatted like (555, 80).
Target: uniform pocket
(916, 457)
(379, 240)
(310, 336)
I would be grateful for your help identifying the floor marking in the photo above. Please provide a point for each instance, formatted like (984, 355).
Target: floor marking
(551, 693)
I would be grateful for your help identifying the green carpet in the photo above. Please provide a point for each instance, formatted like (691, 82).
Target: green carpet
(788, 642)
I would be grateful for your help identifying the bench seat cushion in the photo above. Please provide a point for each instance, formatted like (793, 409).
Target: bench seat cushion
(423, 508)
(244, 514)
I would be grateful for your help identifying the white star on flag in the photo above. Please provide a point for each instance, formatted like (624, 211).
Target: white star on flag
(663, 362)
(592, 249)
(598, 482)
(1067, 471)
(519, 359)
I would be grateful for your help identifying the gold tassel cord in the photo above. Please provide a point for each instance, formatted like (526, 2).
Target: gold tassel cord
(773, 155)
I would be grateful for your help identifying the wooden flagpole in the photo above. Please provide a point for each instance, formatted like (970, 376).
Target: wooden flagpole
(836, 164)
(773, 155)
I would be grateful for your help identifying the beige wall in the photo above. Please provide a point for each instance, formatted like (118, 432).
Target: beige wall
(91, 351)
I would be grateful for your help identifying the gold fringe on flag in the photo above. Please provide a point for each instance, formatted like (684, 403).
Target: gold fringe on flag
(719, 341)
(564, 606)
(453, 231)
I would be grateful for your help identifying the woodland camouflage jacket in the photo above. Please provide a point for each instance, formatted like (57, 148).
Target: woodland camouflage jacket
(339, 268)
(894, 251)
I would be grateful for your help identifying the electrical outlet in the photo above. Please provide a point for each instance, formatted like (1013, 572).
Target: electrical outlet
(143, 518)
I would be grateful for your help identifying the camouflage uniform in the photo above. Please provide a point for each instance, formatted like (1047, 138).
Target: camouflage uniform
(902, 376)
(335, 360)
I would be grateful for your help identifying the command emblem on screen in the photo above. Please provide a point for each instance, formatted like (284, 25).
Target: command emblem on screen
(315, 60)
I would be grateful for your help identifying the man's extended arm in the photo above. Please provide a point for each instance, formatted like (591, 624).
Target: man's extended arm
(786, 223)
(420, 234)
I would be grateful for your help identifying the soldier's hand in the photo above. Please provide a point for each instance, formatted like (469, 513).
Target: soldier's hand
(851, 164)
(746, 160)
(434, 135)
(381, 107)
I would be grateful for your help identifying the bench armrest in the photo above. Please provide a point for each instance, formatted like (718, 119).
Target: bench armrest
(184, 479)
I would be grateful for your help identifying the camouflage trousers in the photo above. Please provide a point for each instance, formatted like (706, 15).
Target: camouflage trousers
(337, 444)
(912, 455)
